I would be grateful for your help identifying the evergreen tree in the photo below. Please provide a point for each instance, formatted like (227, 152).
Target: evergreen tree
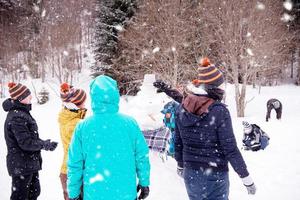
(111, 17)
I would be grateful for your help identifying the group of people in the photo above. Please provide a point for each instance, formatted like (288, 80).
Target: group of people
(106, 150)
(106, 153)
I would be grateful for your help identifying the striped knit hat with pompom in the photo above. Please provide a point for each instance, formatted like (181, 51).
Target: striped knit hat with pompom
(209, 75)
(18, 91)
(69, 94)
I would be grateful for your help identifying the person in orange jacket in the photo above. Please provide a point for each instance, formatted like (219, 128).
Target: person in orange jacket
(73, 111)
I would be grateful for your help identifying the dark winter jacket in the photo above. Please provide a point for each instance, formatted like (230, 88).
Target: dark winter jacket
(22, 139)
(207, 141)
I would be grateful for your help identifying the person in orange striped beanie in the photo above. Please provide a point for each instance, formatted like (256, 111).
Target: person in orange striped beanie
(73, 111)
(204, 139)
(24, 159)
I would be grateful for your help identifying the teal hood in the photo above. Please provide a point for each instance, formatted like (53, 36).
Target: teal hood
(105, 95)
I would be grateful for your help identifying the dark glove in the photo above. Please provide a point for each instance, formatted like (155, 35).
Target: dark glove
(77, 198)
(160, 85)
(144, 191)
(180, 171)
(49, 146)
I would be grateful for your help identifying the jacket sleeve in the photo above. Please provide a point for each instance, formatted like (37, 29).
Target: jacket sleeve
(141, 158)
(178, 146)
(174, 94)
(228, 142)
(75, 164)
(66, 132)
(23, 135)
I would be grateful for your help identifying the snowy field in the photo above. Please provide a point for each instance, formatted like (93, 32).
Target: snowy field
(276, 170)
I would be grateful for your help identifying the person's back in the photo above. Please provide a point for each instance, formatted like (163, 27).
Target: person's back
(204, 139)
(108, 149)
(276, 105)
(207, 138)
(73, 101)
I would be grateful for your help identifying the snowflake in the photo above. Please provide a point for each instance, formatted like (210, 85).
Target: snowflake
(119, 27)
(36, 8)
(106, 172)
(156, 49)
(288, 5)
(43, 13)
(286, 17)
(260, 6)
(98, 155)
(96, 178)
(249, 52)
(66, 53)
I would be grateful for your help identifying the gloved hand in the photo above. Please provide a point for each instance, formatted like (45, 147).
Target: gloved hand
(49, 146)
(160, 85)
(77, 198)
(180, 171)
(144, 191)
(249, 184)
(251, 189)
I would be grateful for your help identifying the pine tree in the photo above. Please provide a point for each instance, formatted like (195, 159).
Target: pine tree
(295, 26)
(111, 17)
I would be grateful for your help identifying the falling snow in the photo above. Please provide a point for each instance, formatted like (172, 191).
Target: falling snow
(286, 17)
(249, 52)
(43, 13)
(119, 27)
(96, 178)
(288, 5)
(65, 53)
(260, 6)
(156, 49)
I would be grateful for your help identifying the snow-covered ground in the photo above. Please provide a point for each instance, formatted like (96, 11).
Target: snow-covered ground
(276, 170)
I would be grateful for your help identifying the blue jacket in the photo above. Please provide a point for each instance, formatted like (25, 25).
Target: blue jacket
(207, 141)
(108, 151)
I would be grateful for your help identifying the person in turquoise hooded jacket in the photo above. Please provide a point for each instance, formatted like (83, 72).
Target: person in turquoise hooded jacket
(108, 152)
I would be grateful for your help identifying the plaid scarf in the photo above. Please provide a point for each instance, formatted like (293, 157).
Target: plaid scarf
(157, 139)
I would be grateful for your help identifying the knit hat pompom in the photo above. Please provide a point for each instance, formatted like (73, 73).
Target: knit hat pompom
(196, 82)
(11, 84)
(205, 62)
(65, 87)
